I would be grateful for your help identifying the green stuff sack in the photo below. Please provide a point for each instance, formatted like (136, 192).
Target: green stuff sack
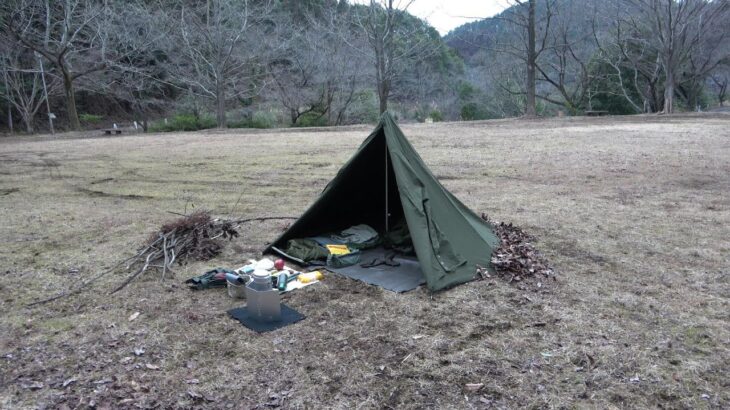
(215, 278)
(340, 261)
(306, 250)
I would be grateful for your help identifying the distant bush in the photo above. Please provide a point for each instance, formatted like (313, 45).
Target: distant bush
(259, 119)
(242, 123)
(423, 114)
(364, 108)
(608, 92)
(467, 91)
(436, 115)
(90, 118)
(263, 119)
(474, 111)
(312, 119)
(184, 122)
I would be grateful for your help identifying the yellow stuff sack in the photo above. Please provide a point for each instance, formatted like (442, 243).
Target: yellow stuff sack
(338, 249)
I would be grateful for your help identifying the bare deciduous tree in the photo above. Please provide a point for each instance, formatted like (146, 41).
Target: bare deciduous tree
(66, 33)
(298, 72)
(23, 84)
(138, 79)
(315, 75)
(218, 48)
(720, 81)
(711, 50)
(527, 41)
(391, 44)
(637, 69)
(673, 29)
(568, 54)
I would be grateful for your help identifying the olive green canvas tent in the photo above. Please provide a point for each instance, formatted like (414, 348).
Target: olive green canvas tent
(385, 182)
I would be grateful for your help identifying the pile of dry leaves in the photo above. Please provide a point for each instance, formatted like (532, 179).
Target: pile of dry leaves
(516, 258)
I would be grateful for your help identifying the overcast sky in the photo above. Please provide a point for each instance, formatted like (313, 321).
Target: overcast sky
(446, 15)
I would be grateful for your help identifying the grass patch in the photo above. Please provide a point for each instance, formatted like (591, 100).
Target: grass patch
(90, 118)
(312, 119)
(184, 122)
(57, 325)
(259, 119)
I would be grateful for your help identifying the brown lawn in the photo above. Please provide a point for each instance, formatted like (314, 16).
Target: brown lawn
(633, 212)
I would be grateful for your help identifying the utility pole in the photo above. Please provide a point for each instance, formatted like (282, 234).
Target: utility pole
(45, 91)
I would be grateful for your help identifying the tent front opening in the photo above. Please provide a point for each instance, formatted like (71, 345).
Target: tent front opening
(359, 197)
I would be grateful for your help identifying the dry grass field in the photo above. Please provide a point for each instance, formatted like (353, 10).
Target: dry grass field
(633, 212)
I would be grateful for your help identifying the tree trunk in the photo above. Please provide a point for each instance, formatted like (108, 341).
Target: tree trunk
(654, 104)
(692, 93)
(220, 100)
(383, 51)
(383, 92)
(530, 108)
(294, 115)
(669, 92)
(383, 87)
(28, 120)
(721, 92)
(68, 87)
(10, 106)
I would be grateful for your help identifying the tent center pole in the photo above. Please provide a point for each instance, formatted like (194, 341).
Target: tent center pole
(386, 185)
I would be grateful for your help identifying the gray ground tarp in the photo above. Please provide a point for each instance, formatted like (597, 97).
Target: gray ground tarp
(403, 278)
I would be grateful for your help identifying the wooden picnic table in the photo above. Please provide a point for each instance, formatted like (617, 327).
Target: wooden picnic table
(110, 131)
(596, 113)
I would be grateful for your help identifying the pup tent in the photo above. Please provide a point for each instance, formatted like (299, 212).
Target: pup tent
(386, 188)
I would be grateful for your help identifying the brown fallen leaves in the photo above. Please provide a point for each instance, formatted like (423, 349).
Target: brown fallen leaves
(516, 258)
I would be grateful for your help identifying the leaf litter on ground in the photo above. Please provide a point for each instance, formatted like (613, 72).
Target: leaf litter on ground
(516, 258)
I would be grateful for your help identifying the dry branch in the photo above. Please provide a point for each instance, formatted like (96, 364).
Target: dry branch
(192, 237)
(196, 236)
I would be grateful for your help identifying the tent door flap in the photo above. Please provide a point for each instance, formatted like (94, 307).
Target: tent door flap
(447, 257)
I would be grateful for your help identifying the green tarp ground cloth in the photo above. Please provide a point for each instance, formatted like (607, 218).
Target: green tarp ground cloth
(385, 183)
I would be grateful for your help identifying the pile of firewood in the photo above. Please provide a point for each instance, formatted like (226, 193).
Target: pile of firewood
(516, 258)
(196, 236)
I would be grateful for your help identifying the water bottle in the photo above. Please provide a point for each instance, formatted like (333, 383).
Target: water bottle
(311, 276)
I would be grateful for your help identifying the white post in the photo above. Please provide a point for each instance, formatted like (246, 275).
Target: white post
(45, 91)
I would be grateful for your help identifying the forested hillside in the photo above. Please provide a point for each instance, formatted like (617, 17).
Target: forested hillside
(182, 64)
(622, 56)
